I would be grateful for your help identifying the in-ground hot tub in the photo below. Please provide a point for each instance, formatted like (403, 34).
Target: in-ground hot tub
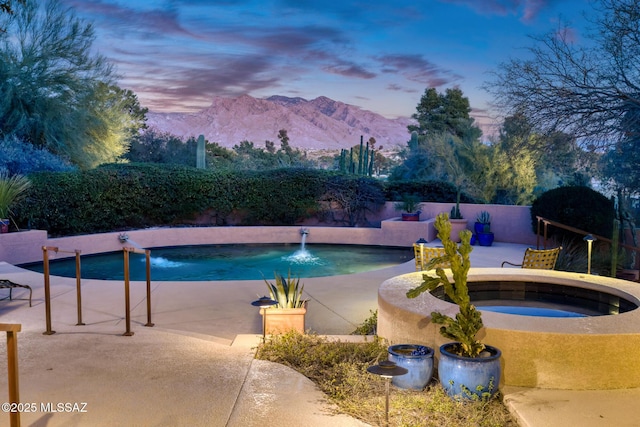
(598, 351)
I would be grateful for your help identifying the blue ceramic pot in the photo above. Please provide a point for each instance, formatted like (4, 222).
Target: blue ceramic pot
(417, 359)
(481, 227)
(469, 377)
(485, 239)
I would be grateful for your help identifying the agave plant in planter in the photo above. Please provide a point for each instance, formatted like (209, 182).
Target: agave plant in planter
(410, 207)
(483, 222)
(482, 227)
(467, 367)
(12, 189)
(289, 312)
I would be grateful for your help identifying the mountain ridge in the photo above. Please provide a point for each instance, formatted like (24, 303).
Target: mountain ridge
(318, 124)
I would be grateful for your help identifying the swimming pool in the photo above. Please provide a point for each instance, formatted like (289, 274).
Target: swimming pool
(234, 262)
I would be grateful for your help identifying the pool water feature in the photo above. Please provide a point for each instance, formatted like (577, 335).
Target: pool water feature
(234, 262)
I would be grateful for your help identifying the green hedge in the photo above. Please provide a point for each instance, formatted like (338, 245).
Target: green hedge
(429, 191)
(579, 207)
(124, 196)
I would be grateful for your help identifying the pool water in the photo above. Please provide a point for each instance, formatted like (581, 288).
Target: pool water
(531, 311)
(542, 299)
(234, 262)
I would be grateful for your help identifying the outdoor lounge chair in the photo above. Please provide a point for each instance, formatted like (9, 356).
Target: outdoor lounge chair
(8, 284)
(541, 259)
(424, 254)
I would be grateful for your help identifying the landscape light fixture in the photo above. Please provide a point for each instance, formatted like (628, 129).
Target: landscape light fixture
(264, 302)
(387, 370)
(589, 239)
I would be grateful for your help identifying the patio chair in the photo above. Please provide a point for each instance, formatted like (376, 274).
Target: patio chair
(424, 254)
(8, 284)
(541, 259)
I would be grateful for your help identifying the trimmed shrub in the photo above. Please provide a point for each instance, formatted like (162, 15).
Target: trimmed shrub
(123, 196)
(579, 207)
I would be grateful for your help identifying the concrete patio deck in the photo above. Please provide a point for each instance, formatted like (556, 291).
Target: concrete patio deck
(195, 367)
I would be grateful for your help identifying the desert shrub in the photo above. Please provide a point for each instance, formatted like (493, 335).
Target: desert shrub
(578, 207)
(340, 371)
(347, 199)
(23, 158)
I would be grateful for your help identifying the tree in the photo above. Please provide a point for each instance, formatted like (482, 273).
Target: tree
(445, 144)
(5, 7)
(57, 93)
(448, 112)
(589, 91)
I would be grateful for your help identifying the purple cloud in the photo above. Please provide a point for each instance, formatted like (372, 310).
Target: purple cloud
(527, 9)
(153, 22)
(418, 69)
(349, 69)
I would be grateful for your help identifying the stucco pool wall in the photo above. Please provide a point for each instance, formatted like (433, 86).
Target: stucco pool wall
(511, 224)
(600, 352)
(26, 246)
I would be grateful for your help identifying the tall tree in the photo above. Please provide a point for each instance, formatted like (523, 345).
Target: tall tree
(589, 90)
(56, 92)
(5, 6)
(449, 112)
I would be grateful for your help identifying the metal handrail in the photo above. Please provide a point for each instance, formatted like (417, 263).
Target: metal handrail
(12, 330)
(47, 285)
(548, 222)
(127, 308)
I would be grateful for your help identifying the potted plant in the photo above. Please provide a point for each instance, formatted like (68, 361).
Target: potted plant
(467, 368)
(415, 358)
(457, 221)
(12, 189)
(482, 227)
(410, 205)
(289, 312)
(483, 222)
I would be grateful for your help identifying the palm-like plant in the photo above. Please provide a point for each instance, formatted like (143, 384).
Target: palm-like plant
(12, 189)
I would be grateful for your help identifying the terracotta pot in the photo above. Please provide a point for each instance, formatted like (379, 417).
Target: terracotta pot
(457, 225)
(411, 216)
(281, 320)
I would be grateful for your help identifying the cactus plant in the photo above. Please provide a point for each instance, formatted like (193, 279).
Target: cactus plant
(468, 322)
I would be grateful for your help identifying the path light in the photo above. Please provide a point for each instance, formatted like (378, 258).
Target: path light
(387, 370)
(589, 239)
(264, 302)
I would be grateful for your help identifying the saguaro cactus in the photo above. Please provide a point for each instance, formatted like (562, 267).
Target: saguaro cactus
(200, 164)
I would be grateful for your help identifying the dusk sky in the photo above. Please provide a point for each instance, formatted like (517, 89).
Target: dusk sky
(176, 55)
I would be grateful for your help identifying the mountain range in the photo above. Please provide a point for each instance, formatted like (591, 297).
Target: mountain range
(319, 124)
